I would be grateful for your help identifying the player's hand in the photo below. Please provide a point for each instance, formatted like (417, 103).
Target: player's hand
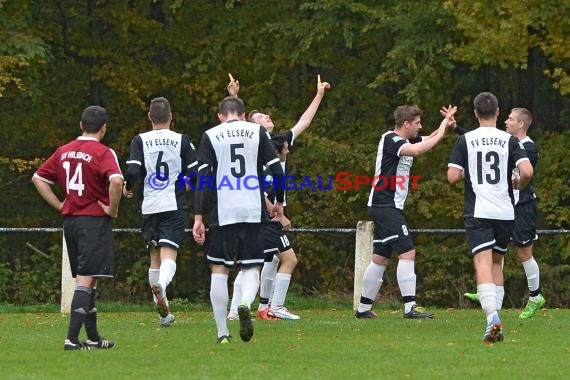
(127, 193)
(112, 212)
(449, 112)
(277, 211)
(233, 86)
(322, 86)
(516, 179)
(199, 232)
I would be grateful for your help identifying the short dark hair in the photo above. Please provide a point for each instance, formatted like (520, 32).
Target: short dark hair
(159, 110)
(251, 113)
(94, 118)
(523, 115)
(231, 104)
(278, 140)
(405, 113)
(486, 105)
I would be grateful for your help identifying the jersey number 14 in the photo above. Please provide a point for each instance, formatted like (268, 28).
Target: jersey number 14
(76, 181)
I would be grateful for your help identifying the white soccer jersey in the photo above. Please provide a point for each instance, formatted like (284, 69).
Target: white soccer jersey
(236, 152)
(487, 156)
(162, 155)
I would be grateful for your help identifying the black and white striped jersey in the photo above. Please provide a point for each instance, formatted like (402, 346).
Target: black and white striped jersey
(158, 158)
(391, 168)
(488, 156)
(231, 159)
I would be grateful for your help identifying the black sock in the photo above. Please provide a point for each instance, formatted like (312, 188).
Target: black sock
(91, 319)
(79, 307)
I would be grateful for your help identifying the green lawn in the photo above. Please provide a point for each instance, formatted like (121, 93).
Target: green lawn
(326, 343)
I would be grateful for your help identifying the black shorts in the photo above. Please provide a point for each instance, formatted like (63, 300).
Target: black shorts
(164, 229)
(89, 241)
(239, 244)
(274, 240)
(483, 234)
(390, 231)
(524, 232)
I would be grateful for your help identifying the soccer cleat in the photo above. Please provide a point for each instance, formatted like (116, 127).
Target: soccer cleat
(473, 297)
(102, 343)
(167, 321)
(245, 323)
(368, 314)
(70, 346)
(224, 339)
(161, 305)
(494, 331)
(232, 317)
(418, 312)
(263, 314)
(282, 313)
(532, 307)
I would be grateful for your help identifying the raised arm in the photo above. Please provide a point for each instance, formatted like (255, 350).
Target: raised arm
(233, 86)
(307, 117)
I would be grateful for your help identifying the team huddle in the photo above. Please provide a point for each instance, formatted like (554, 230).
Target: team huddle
(246, 226)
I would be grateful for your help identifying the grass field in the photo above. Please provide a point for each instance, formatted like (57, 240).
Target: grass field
(327, 343)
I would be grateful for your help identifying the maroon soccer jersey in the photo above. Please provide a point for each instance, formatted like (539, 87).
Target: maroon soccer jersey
(82, 169)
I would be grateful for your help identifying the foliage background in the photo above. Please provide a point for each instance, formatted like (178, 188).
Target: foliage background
(58, 57)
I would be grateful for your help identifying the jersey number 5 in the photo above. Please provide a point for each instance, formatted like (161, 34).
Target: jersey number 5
(238, 170)
(494, 175)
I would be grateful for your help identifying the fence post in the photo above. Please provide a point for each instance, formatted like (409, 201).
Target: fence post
(67, 281)
(362, 256)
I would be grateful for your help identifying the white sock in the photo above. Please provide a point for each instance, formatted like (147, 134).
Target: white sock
(282, 281)
(371, 283)
(267, 277)
(532, 274)
(167, 271)
(488, 298)
(219, 297)
(499, 296)
(249, 285)
(275, 262)
(153, 274)
(407, 281)
(236, 295)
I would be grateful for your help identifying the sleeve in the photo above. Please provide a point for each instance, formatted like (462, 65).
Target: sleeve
(189, 156)
(517, 150)
(290, 135)
(47, 171)
(460, 130)
(135, 164)
(532, 153)
(459, 154)
(110, 165)
(270, 160)
(393, 144)
(205, 167)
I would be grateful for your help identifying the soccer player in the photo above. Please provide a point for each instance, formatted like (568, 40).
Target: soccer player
(160, 158)
(396, 152)
(229, 189)
(485, 159)
(90, 178)
(270, 267)
(524, 232)
(278, 251)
